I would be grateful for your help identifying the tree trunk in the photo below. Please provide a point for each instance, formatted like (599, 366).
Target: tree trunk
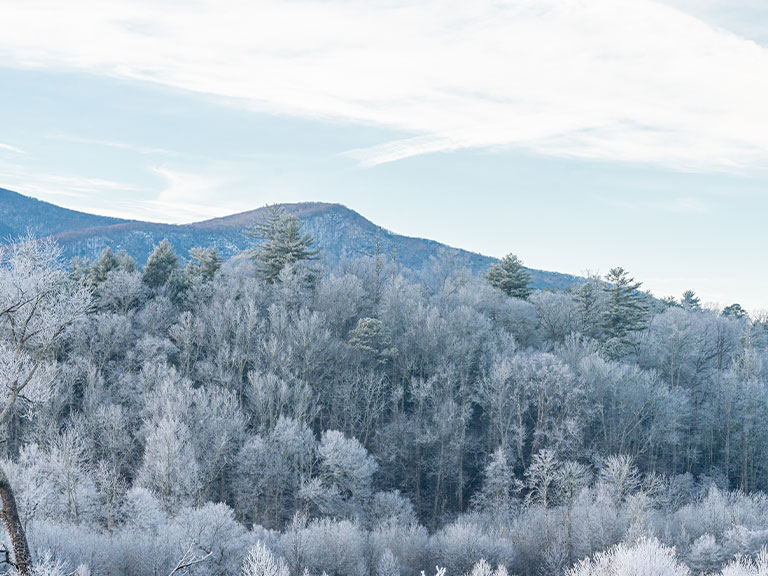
(10, 515)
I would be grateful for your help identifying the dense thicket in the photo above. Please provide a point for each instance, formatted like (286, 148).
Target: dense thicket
(367, 420)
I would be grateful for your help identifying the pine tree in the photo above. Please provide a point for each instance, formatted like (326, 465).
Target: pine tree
(734, 311)
(125, 262)
(203, 263)
(690, 301)
(590, 301)
(281, 243)
(626, 307)
(509, 276)
(372, 338)
(160, 264)
(104, 265)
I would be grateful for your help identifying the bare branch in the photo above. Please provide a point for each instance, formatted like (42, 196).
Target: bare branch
(187, 561)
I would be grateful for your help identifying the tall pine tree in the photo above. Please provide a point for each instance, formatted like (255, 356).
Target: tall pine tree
(626, 306)
(280, 243)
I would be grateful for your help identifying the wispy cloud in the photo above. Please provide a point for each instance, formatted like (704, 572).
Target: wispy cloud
(9, 148)
(400, 149)
(615, 80)
(187, 197)
(672, 205)
(112, 144)
(685, 205)
(181, 197)
(77, 191)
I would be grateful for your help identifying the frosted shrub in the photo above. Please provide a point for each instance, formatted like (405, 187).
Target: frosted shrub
(387, 565)
(482, 568)
(748, 567)
(409, 543)
(47, 566)
(462, 544)
(645, 558)
(392, 506)
(105, 555)
(324, 545)
(705, 554)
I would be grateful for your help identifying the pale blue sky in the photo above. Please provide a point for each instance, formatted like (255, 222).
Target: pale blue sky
(579, 136)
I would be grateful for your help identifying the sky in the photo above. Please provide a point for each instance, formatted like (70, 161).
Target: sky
(578, 134)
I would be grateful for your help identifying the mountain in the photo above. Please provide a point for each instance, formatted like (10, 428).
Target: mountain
(340, 232)
(21, 214)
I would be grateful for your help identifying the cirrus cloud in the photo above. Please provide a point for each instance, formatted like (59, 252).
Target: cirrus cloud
(614, 80)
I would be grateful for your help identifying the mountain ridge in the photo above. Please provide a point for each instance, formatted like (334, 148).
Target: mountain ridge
(340, 231)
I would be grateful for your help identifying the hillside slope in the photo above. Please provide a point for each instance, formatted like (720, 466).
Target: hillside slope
(19, 214)
(340, 232)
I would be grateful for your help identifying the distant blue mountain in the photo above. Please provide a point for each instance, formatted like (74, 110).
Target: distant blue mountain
(21, 214)
(340, 232)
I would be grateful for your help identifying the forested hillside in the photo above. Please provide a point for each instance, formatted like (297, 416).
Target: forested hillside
(266, 415)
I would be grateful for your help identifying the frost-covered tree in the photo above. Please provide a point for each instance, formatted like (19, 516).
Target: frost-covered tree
(646, 558)
(540, 477)
(626, 307)
(571, 478)
(344, 483)
(38, 301)
(621, 476)
(373, 339)
(482, 568)
(270, 470)
(169, 467)
(509, 276)
(690, 301)
(203, 263)
(261, 562)
(280, 243)
(162, 262)
(120, 291)
(495, 498)
(558, 314)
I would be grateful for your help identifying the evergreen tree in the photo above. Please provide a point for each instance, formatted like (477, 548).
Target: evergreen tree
(509, 276)
(590, 301)
(372, 338)
(125, 262)
(104, 265)
(626, 307)
(735, 311)
(670, 302)
(690, 301)
(203, 263)
(281, 243)
(160, 264)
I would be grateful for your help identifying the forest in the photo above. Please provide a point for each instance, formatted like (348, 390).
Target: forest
(269, 415)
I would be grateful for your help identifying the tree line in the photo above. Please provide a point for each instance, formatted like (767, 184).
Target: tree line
(366, 419)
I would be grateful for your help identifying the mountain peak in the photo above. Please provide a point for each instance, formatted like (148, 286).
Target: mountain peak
(302, 210)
